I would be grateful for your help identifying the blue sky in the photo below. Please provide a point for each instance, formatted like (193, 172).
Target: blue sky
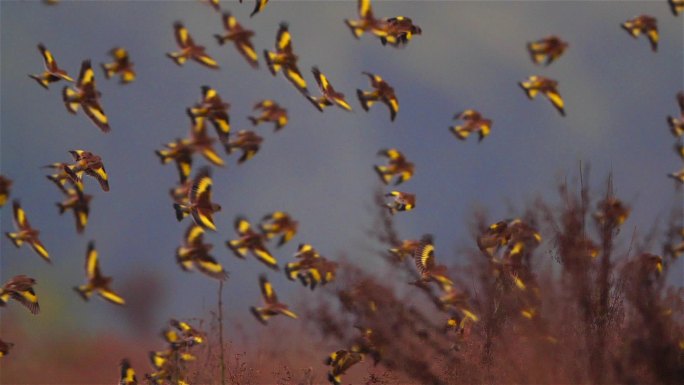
(319, 168)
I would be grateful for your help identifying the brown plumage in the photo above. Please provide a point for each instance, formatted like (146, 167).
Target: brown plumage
(382, 92)
(20, 289)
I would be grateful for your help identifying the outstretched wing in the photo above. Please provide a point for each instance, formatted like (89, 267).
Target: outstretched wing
(267, 291)
(92, 265)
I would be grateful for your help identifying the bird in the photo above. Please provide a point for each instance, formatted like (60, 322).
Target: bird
(677, 123)
(397, 166)
(5, 348)
(195, 253)
(90, 164)
(340, 361)
(473, 121)
(20, 289)
(199, 203)
(189, 335)
(213, 4)
(548, 87)
(127, 376)
(240, 36)
(250, 241)
(646, 24)
(179, 151)
(329, 96)
(310, 268)
(546, 50)
(405, 249)
(676, 6)
(399, 30)
(611, 212)
(213, 108)
(76, 200)
(189, 50)
(271, 305)
(284, 59)
(279, 223)
(366, 22)
(26, 233)
(402, 201)
(382, 92)
(96, 282)
(424, 258)
(259, 5)
(52, 71)
(86, 95)
(246, 141)
(5, 188)
(270, 112)
(122, 65)
(678, 176)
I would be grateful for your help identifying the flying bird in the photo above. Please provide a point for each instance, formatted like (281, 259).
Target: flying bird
(472, 122)
(258, 6)
(127, 376)
(330, 97)
(405, 249)
(52, 71)
(676, 6)
(20, 289)
(97, 283)
(26, 233)
(5, 348)
(5, 187)
(241, 37)
(189, 50)
(122, 66)
(270, 112)
(424, 258)
(547, 87)
(189, 335)
(399, 30)
(195, 253)
(382, 92)
(90, 164)
(397, 166)
(87, 96)
(284, 59)
(677, 123)
(367, 22)
(246, 141)
(250, 241)
(279, 223)
(179, 151)
(213, 108)
(339, 362)
(546, 50)
(402, 201)
(199, 203)
(76, 200)
(271, 305)
(648, 25)
(310, 268)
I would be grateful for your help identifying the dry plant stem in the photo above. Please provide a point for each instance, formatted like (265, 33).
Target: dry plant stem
(220, 320)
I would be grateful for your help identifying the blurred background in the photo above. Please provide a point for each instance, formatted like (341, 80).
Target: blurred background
(319, 167)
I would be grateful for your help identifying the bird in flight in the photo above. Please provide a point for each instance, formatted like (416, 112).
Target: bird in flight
(382, 92)
(199, 203)
(310, 268)
(366, 22)
(20, 289)
(339, 362)
(547, 87)
(279, 223)
(75, 200)
(330, 97)
(189, 50)
(676, 6)
(52, 71)
(472, 122)
(5, 187)
(195, 253)
(270, 112)
(284, 59)
(121, 65)
(399, 30)
(546, 50)
(677, 123)
(424, 258)
(258, 6)
(271, 305)
(250, 241)
(212, 107)
(246, 141)
(86, 95)
(26, 233)
(648, 25)
(402, 201)
(97, 283)
(90, 164)
(241, 37)
(397, 166)
(127, 376)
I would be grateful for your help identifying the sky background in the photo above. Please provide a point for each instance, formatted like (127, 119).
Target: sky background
(319, 168)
